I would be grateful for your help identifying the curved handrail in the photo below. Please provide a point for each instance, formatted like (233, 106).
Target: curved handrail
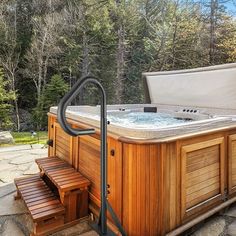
(61, 112)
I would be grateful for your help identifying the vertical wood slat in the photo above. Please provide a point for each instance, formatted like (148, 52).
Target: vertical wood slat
(232, 163)
(89, 162)
(172, 187)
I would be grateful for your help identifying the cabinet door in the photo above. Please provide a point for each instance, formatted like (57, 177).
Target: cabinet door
(202, 176)
(232, 163)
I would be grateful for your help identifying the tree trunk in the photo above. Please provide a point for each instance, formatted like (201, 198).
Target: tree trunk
(39, 88)
(15, 103)
(175, 20)
(119, 85)
(17, 115)
(214, 4)
(85, 66)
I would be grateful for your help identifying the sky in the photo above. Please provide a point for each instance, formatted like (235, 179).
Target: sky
(231, 7)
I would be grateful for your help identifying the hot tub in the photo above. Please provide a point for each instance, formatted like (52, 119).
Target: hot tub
(132, 122)
(171, 160)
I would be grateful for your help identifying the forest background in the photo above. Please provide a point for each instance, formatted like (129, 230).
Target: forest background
(47, 45)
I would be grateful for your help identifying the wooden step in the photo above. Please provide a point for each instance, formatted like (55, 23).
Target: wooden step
(44, 207)
(72, 186)
(51, 163)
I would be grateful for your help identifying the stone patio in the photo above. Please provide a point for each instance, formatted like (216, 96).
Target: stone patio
(15, 221)
(19, 161)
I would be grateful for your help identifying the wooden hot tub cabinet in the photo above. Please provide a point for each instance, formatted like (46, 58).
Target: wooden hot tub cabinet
(155, 186)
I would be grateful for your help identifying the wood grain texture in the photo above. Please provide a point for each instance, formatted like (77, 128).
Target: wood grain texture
(202, 173)
(156, 185)
(62, 146)
(232, 163)
(44, 207)
(142, 188)
(115, 178)
(89, 162)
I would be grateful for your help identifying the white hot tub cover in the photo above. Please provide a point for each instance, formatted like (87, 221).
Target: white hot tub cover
(213, 87)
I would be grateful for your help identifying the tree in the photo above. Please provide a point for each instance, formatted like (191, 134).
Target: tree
(10, 50)
(5, 98)
(51, 96)
(44, 48)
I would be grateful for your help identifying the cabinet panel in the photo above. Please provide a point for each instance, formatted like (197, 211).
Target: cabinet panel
(89, 166)
(202, 175)
(232, 163)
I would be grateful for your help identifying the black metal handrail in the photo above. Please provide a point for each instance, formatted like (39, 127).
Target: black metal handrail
(61, 113)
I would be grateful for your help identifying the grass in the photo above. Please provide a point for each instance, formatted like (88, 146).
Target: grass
(26, 138)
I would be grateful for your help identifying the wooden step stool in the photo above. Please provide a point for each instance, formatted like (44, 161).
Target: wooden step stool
(44, 207)
(71, 186)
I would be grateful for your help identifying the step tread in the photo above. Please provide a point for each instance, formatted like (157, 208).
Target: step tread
(39, 199)
(62, 174)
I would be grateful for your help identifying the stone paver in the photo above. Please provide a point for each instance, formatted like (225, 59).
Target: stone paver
(18, 161)
(8, 176)
(76, 230)
(11, 228)
(90, 233)
(11, 207)
(214, 227)
(31, 170)
(231, 211)
(231, 229)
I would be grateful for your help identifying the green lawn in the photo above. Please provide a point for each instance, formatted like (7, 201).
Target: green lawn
(26, 138)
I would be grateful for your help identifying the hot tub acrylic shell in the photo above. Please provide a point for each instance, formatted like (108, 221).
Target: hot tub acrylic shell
(155, 184)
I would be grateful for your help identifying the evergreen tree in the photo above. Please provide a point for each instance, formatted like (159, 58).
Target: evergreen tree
(5, 98)
(51, 96)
